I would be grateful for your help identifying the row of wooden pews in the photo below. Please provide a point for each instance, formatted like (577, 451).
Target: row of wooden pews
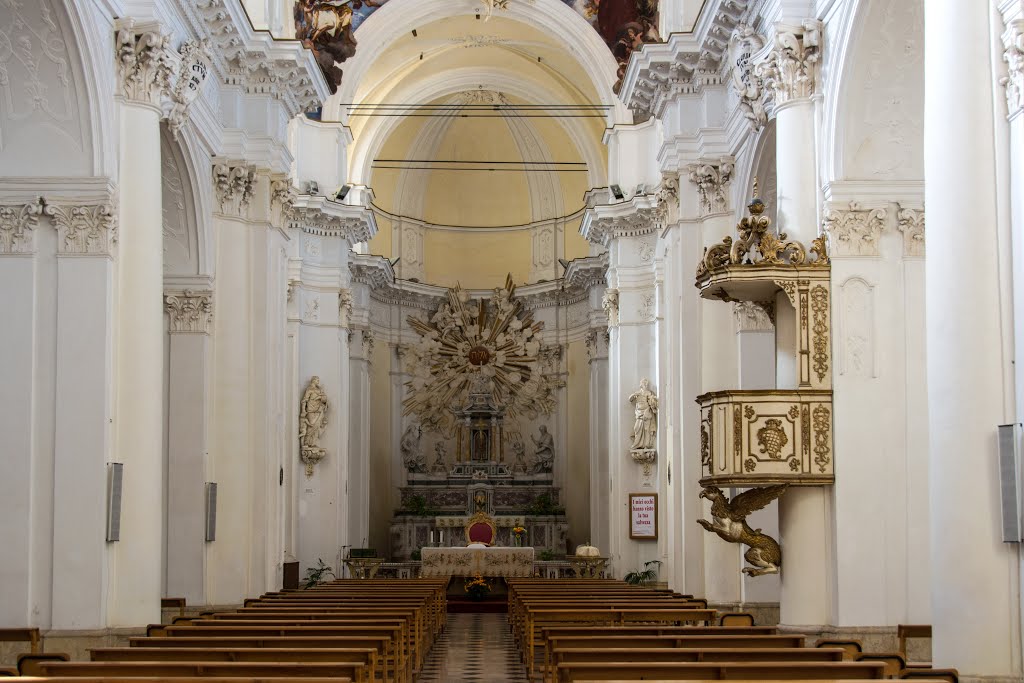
(364, 631)
(604, 630)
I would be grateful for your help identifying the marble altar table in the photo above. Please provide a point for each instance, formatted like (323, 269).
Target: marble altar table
(503, 562)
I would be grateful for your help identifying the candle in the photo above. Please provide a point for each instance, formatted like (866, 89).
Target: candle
(431, 537)
(441, 537)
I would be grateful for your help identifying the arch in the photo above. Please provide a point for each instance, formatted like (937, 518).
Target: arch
(376, 133)
(763, 167)
(48, 103)
(397, 18)
(180, 229)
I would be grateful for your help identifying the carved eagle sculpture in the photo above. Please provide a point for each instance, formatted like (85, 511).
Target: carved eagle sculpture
(730, 524)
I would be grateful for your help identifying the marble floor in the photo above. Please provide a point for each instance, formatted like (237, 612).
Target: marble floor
(474, 648)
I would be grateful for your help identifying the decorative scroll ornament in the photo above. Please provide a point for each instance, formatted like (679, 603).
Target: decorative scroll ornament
(1013, 55)
(712, 181)
(610, 304)
(743, 44)
(644, 436)
(189, 312)
(192, 72)
(855, 231)
(143, 65)
(730, 523)
(17, 227)
(84, 230)
(758, 245)
(312, 422)
(234, 185)
(789, 71)
(911, 224)
(467, 340)
(668, 198)
(344, 307)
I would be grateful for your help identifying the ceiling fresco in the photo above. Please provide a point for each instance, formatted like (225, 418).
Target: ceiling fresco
(328, 27)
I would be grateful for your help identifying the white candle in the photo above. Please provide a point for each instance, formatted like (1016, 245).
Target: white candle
(431, 537)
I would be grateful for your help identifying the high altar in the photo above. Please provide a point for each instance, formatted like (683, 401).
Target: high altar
(480, 385)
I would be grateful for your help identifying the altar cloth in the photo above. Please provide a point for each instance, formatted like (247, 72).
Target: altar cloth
(503, 562)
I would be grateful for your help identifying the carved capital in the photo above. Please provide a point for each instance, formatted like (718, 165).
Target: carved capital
(712, 180)
(911, 224)
(668, 198)
(191, 74)
(143, 64)
(234, 184)
(344, 307)
(1013, 55)
(753, 316)
(84, 230)
(596, 342)
(189, 312)
(282, 197)
(790, 70)
(743, 45)
(17, 227)
(854, 231)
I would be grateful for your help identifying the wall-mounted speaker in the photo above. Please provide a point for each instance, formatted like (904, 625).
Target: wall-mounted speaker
(1010, 482)
(115, 475)
(211, 511)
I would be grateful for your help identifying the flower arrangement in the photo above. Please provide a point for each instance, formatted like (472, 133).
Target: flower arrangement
(518, 532)
(477, 588)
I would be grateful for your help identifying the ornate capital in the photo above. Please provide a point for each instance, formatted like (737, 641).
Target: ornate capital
(597, 345)
(743, 45)
(143, 64)
(17, 227)
(234, 184)
(636, 224)
(668, 198)
(189, 312)
(1013, 55)
(344, 307)
(753, 316)
(84, 230)
(712, 180)
(192, 72)
(790, 69)
(610, 304)
(855, 231)
(911, 224)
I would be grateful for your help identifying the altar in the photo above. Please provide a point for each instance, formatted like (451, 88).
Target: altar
(496, 562)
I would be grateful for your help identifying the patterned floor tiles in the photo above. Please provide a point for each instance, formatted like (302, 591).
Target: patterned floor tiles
(474, 648)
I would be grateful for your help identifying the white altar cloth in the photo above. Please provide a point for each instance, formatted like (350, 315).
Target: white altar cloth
(471, 561)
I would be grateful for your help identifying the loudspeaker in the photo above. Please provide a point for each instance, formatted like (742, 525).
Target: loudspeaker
(211, 511)
(617, 192)
(115, 475)
(1009, 482)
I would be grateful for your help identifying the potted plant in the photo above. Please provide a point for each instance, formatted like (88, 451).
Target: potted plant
(649, 574)
(477, 588)
(315, 575)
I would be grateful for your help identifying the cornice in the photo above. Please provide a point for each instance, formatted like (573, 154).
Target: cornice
(316, 215)
(684, 64)
(641, 215)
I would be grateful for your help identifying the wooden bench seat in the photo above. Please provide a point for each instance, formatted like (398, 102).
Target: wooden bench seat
(685, 671)
(355, 672)
(176, 679)
(23, 635)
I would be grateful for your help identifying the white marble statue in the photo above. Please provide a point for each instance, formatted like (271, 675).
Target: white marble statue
(412, 454)
(645, 427)
(544, 451)
(312, 422)
(440, 465)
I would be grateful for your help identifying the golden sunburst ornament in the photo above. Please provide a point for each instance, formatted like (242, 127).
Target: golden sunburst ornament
(476, 346)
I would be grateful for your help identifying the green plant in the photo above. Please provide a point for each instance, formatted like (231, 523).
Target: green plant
(649, 574)
(417, 505)
(546, 555)
(544, 504)
(416, 555)
(315, 575)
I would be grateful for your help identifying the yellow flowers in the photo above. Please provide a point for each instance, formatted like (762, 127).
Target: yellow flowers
(519, 531)
(477, 587)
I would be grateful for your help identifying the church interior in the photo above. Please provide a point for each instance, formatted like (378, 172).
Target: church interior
(511, 340)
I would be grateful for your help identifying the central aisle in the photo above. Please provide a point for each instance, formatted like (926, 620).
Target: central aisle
(474, 648)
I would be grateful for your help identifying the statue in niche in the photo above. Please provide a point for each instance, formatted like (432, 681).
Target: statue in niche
(412, 456)
(312, 422)
(440, 466)
(645, 427)
(480, 501)
(519, 455)
(544, 451)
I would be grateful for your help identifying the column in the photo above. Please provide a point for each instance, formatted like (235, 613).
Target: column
(360, 360)
(189, 322)
(597, 357)
(136, 570)
(974, 575)
(790, 72)
(710, 181)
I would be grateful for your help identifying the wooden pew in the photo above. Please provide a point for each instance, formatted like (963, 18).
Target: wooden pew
(23, 635)
(175, 679)
(747, 671)
(348, 670)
